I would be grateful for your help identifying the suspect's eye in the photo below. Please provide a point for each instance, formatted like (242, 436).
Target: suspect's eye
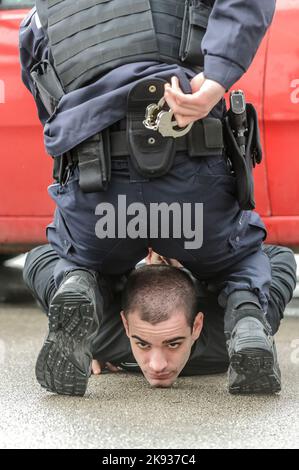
(174, 345)
(143, 345)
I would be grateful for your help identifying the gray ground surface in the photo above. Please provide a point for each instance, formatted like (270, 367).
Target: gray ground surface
(122, 411)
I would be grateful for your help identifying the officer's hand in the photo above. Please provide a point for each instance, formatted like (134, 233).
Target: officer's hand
(188, 108)
(155, 258)
(97, 367)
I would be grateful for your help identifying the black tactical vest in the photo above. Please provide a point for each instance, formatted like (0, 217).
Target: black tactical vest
(88, 38)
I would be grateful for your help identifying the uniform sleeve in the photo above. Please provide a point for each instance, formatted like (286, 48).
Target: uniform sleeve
(33, 47)
(235, 31)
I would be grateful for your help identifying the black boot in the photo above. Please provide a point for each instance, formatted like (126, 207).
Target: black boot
(64, 362)
(253, 359)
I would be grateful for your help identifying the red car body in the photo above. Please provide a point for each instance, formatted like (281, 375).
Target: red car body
(271, 84)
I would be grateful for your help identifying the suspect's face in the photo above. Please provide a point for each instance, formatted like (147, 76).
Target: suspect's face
(162, 350)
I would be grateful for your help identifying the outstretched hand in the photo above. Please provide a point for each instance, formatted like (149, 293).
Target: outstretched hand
(97, 367)
(189, 108)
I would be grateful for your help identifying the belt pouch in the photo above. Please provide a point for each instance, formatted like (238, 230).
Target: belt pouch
(151, 154)
(195, 24)
(206, 138)
(94, 162)
(47, 85)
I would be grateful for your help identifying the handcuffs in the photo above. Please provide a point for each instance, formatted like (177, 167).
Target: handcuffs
(157, 119)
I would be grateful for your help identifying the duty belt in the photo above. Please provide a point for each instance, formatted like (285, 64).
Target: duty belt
(195, 144)
(151, 139)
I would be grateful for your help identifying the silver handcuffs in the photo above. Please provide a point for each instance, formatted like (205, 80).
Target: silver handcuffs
(157, 119)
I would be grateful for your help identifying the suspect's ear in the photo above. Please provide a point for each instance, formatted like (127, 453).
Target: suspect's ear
(197, 326)
(125, 323)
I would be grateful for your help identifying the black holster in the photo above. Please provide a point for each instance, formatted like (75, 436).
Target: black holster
(243, 165)
(151, 154)
(94, 162)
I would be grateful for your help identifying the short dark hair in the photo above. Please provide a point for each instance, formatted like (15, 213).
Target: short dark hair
(155, 291)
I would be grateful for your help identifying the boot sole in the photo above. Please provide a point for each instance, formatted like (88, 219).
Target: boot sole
(256, 366)
(64, 363)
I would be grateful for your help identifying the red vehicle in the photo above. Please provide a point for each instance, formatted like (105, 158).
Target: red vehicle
(272, 84)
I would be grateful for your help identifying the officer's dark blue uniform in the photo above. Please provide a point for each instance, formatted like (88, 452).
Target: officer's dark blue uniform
(231, 252)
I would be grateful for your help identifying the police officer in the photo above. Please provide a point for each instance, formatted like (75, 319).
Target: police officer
(93, 68)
